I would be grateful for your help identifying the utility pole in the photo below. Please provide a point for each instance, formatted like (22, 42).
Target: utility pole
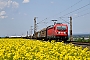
(35, 26)
(71, 38)
(31, 32)
(27, 33)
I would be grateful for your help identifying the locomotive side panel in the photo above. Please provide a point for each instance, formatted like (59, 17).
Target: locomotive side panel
(50, 32)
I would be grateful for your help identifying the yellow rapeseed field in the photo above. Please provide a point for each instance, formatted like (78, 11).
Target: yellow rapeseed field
(26, 49)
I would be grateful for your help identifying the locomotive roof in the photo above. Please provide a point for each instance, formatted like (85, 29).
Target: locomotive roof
(58, 23)
(61, 23)
(55, 24)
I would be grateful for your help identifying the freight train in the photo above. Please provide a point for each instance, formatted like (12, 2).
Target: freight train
(56, 32)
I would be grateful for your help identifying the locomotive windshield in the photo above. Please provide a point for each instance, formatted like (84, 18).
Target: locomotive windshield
(61, 27)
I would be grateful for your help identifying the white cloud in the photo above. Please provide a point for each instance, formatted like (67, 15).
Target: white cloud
(8, 3)
(15, 4)
(2, 4)
(19, 13)
(3, 14)
(3, 17)
(52, 2)
(25, 1)
(25, 14)
(75, 14)
(12, 18)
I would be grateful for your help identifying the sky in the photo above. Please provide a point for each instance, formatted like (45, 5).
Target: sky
(17, 16)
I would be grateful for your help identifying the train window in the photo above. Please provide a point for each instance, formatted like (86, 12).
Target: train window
(61, 27)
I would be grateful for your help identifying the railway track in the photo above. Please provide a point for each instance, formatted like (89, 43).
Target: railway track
(83, 44)
(78, 43)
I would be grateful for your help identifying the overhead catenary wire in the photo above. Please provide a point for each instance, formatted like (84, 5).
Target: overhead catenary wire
(77, 16)
(41, 21)
(61, 11)
(70, 7)
(45, 24)
(82, 15)
(64, 20)
(83, 10)
(77, 9)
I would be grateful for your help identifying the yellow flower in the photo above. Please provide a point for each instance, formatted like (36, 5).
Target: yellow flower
(26, 49)
(27, 54)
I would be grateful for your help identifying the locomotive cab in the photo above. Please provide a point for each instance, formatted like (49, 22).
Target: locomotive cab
(61, 31)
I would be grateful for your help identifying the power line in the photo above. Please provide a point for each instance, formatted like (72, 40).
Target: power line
(71, 6)
(82, 15)
(62, 11)
(78, 12)
(64, 20)
(42, 21)
(76, 3)
(83, 10)
(77, 9)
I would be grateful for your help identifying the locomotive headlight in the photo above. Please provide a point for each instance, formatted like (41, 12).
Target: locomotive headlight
(58, 32)
(64, 32)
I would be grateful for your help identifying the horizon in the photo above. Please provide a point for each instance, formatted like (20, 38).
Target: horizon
(29, 35)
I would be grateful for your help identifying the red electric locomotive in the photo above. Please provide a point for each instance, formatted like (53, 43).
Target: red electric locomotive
(56, 32)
